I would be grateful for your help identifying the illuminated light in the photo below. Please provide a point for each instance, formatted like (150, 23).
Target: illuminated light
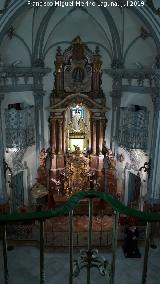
(77, 142)
(14, 149)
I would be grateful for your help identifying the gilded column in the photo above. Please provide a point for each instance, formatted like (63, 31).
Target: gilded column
(94, 137)
(53, 143)
(101, 135)
(90, 136)
(97, 137)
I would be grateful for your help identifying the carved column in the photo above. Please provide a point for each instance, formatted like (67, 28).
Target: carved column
(60, 136)
(97, 136)
(96, 71)
(94, 137)
(154, 178)
(59, 71)
(53, 142)
(101, 134)
(2, 178)
(53, 135)
(90, 136)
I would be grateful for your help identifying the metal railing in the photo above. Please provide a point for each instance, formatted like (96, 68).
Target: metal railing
(88, 258)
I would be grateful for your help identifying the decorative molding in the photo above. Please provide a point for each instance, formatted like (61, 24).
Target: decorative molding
(18, 88)
(19, 127)
(136, 89)
(136, 157)
(133, 129)
(11, 71)
(10, 77)
(150, 4)
(151, 75)
(17, 160)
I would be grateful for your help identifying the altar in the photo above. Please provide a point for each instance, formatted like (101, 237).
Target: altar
(77, 159)
(77, 115)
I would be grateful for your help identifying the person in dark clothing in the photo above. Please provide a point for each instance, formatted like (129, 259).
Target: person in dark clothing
(130, 246)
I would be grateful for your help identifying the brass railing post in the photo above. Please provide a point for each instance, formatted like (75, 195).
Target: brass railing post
(71, 246)
(89, 241)
(42, 272)
(114, 246)
(146, 253)
(4, 243)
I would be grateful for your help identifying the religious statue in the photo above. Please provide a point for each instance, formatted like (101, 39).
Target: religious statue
(43, 158)
(77, 150)
(75, 177)
(105, 150)
(76, 121)
(105, 153)
(108, 161)
(42, 174)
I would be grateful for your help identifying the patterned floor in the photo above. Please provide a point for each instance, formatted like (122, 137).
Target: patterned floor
(24, 268)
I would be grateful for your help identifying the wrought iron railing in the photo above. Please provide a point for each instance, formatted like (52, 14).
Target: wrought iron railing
(88, 258)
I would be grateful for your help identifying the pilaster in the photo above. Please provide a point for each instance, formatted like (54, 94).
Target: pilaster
(154, 179)
(53, 135)
(2, 177)
(39, 121)
(41, 95)
(60, 136)
(36, 118)
(116, 103)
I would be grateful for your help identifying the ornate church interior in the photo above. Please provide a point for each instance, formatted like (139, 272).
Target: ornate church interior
(80, 137)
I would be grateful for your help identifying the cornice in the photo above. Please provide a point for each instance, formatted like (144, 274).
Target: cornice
(125, 72)
(17, 79)
(152, 75)
(11, 71)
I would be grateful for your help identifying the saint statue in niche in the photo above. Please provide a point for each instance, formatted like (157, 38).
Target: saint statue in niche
(76, 121)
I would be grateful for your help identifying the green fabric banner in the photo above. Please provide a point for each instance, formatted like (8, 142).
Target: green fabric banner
(73, 202)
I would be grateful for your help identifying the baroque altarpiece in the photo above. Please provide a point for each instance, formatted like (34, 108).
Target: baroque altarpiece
(77, 119)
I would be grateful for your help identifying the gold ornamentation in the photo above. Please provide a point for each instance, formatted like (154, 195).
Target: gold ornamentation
(75, 177)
